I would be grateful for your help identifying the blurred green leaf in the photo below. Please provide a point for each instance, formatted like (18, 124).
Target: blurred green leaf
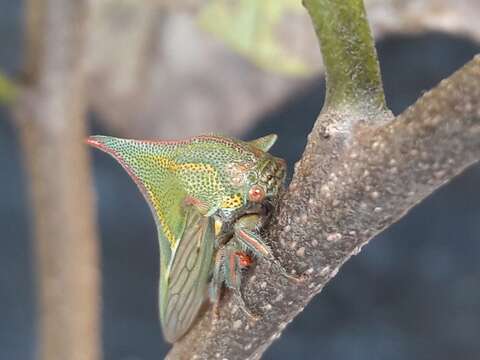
(249, 28)
(8, 90)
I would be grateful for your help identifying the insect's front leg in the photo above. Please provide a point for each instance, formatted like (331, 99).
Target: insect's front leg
(247, 234)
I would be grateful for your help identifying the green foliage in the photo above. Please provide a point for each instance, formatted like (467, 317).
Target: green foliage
(8, 90)
(249, 27)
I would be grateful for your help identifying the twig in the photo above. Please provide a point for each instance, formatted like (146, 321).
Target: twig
(349, 55)
(50, 112)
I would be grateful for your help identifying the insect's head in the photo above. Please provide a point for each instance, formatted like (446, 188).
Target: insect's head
(265, 180)
(258, 178)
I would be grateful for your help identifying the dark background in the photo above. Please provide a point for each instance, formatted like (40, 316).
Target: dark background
(413, 293)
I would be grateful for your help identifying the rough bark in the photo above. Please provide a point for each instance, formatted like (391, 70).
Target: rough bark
(50, 113)
(357, 176)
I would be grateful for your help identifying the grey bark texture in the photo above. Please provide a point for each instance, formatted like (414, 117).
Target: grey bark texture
(51, 116)
(357, 176)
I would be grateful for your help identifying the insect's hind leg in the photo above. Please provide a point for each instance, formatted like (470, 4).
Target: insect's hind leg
(236, 259)
(218, 278)
(230, 260)
(218, 273)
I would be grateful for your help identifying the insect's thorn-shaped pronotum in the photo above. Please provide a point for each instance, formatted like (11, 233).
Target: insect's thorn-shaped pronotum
(192, 186)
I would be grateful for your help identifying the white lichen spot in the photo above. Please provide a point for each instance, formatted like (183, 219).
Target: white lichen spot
(287, 228)
(377, 209)
(366, 173)
(375, 145)
(263, 285)
(325, 271)
(423, 166)
(237, 324)
(363, 206)
(325, 190)
(253, 278)
(439, 174)
(311, 285)
(353, 155)
(352, 233)
(314, 242)
(293, 185)
(293, 245)
(368, 188)
(301, 252)
(309, 271)
(279, 297)
(234, 309)
(303, 219)
(392, 162)
(334, 237)
(248, 346)
(217, 355)
(356, 250)
(268, 307)
(275, 336)
(374, 195)
(290, 303)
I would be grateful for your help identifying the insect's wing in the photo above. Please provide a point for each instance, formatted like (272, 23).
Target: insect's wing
(184, 289)
(186, 238)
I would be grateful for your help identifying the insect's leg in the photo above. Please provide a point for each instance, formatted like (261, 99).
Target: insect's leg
(247, 234)
(218, 278)
(236, 260)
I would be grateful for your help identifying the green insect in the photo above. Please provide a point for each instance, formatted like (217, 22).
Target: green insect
(210, 196)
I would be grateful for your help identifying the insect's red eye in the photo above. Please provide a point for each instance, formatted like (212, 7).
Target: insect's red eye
(256, 194)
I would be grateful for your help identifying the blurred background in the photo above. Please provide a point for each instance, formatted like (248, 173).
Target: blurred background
(160, 69)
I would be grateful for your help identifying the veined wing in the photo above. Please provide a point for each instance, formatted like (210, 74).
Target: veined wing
(187, 276)
(186, 237)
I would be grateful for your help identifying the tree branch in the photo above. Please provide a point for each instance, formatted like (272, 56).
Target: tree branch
(50, 112)
(358, 176)
(348, 51)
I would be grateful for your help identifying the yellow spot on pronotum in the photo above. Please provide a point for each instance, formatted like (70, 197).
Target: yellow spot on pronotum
(232, 202)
